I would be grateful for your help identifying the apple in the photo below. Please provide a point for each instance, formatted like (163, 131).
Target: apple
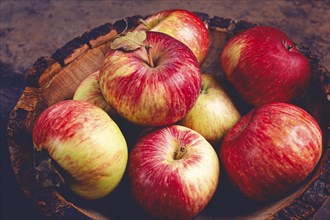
(173, 172)
(265, 66)
(271, 150)
(183, 25)
(89, 91)
(154, 85)
(214, 112)
(86, 143)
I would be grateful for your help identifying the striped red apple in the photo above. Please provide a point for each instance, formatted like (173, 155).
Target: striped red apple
(184, 26)
(173, 172)
(271, 150)
(154, 85)
(265, 66)
(86, 143)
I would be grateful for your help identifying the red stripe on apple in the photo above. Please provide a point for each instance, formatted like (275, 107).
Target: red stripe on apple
(271, 150)
(152, 95)
(183, 25)
(265, 66)
(174, 172)
(86, 143)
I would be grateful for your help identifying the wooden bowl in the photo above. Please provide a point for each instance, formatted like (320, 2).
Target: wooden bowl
(55, 78)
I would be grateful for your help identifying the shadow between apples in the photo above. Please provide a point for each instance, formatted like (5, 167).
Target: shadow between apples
(119, 204)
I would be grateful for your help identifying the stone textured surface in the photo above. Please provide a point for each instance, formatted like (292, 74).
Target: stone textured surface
(31, 29)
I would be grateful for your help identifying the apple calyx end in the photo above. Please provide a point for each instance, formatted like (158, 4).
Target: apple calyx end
(289, 46)
(179, 150)
(179, 154)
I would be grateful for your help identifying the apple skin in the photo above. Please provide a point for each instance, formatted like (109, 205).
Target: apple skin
(214, 112)
(271, 150)
(86, 143)
(89, 91)
(152, 96)
(265, 66)
(173, 172)
(183, 25)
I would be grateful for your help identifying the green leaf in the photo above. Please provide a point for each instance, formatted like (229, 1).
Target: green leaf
(129, 42)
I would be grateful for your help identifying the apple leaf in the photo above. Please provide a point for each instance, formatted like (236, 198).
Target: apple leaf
(129, 42)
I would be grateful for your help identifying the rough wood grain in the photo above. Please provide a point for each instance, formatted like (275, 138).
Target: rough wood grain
(55, 78)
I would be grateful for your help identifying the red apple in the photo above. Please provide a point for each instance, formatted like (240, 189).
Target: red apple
(174, 172)
(89, 91)
(183, 25)
(214, 112)
(153, 90)
(86, 143)
(271, 150)
(265, 66)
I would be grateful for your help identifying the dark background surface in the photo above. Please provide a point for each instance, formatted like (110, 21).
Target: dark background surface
(31, 29)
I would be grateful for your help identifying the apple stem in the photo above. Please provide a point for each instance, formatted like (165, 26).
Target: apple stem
(203, 89)
(151, 62)
(145, 24)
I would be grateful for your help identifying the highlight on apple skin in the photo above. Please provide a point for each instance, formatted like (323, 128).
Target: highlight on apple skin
(271, 150)
(214, 112)
(152, 94)
(173, 172)
(265, 66)
(184, 26)
(86, 143)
